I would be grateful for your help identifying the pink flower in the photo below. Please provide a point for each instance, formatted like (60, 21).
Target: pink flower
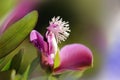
(72, 57)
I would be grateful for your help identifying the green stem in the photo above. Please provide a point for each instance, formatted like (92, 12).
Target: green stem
(50, 77)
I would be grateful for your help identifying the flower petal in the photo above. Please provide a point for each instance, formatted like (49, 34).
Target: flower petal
(74, 57)
(51, 43)
(37, 39)
(20, 11)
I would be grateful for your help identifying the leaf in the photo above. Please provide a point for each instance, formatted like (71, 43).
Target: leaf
(7, 75)
(57, 60)
(52, 78)
(16, 61)
(28, 56)
(9, 63)
(23, 76)
(5, 6)
(6, 66)
(71, 75)
(26, 73)
(5, 62)
(16, 33)
(28, 70)
(18, 77)
(33, 65)
(1, 60)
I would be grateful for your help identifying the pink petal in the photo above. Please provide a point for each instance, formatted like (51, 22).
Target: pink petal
(52, 49)
(37, 39)
(20, 11)
(51, 43)
(74, 57)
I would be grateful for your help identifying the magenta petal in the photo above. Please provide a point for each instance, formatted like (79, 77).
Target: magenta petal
(51, 43)
(20, 11)
(74, 57)
(37, 39)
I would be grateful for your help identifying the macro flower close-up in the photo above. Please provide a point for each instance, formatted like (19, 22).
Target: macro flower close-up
(59, 39)
(72, 57)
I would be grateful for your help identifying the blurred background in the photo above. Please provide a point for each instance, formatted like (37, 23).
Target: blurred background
(94, 23)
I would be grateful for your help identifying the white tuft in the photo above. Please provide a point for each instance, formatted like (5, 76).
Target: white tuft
(59, 28)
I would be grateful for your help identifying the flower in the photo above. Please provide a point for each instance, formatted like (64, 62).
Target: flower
(72, 57)
(59, 28)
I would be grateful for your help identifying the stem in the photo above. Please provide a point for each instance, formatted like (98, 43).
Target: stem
(50, 77)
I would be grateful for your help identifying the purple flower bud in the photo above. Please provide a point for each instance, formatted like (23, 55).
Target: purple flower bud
(47, 48)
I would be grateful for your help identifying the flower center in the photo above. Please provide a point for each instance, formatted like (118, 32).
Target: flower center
(59, 28)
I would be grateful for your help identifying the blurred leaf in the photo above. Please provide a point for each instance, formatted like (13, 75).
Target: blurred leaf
(5, 6)
(29, 55)
(18, 77)
(40, 78)
(33, 65)
(1, 60)
(25, 75)
(7, 75)
(71, 75)
(45, 77)
(52, 78)
(5, 62)
(16, 33)
(76, 74)
(6, 66)
(16, 61)
(57, 60)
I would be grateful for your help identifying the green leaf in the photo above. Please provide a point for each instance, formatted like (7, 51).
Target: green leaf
(28, 56)
(33, 65)
(5, 6)
(5, 62)
(9, 63)
(26, 73)
(72, 75)
(52, 78)
(6, 66)
(1, 60)
(18, 77)
(16, 33)
(57, 60)
(16, 61)
(23, 76)
(7, 75)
